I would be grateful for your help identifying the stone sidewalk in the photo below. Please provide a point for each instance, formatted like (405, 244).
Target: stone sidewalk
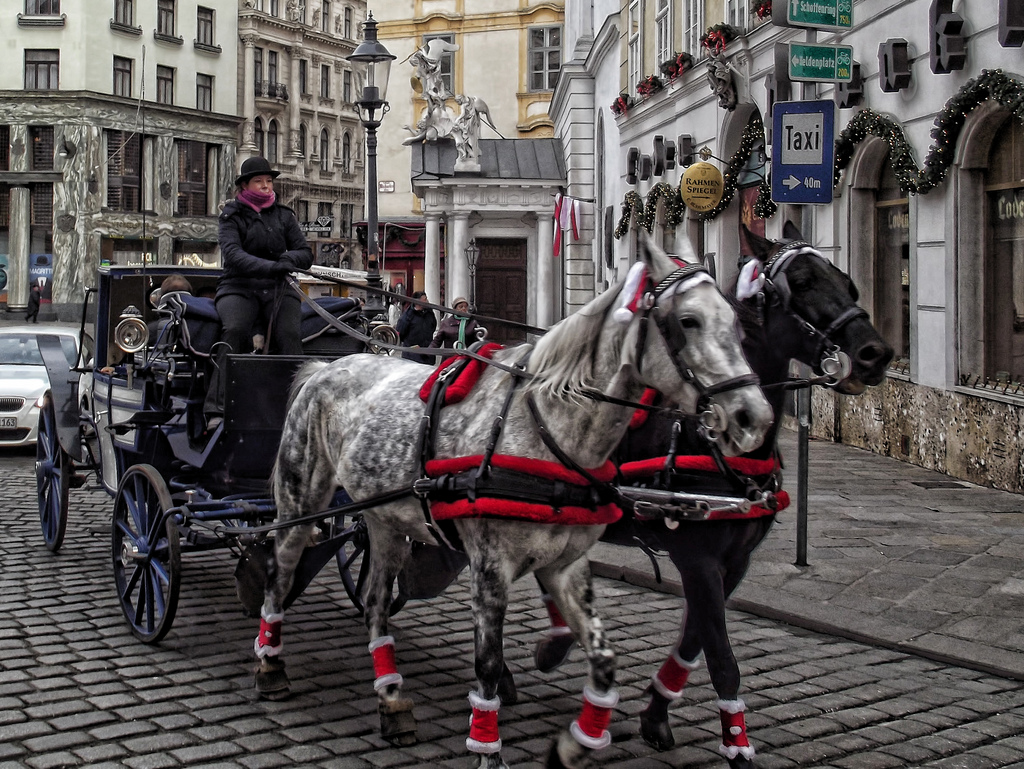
(898, 556)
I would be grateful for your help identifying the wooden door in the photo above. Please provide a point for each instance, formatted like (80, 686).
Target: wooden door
(501, 287)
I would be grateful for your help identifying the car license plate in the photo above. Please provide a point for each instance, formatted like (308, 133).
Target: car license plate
(8, 422)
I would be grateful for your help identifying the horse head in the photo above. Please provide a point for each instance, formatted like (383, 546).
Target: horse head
(687, 346)
(810, 312)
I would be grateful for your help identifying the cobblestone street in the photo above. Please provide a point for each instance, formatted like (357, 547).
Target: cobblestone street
(77, 689)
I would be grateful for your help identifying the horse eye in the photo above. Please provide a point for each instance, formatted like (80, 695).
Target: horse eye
(689, 322)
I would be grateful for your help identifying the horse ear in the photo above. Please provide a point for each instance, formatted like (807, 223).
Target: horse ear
(790, 232)
(760, 246)
(655, 258)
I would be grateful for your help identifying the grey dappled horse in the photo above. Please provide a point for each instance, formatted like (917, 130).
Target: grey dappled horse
(354, 423)
(805, 309)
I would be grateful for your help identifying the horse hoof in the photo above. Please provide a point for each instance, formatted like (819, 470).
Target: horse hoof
(551, 651)
(397, 722)
(656, 733)
(742, 762)
(566, 753)
(507, 691)
(271, 680)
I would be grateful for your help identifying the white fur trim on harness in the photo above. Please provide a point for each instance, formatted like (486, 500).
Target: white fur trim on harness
(628, 297)
(663, 690)
(386, 680)
(478, 702)
(732, 706)
(734, 750)
(584, 739)
(376, 643)
(786, 256)
(750, 281)
(475, 746)
(609, 700)
(266, 651)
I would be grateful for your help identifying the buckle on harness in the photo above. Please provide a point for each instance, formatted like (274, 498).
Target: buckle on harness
(422, 487)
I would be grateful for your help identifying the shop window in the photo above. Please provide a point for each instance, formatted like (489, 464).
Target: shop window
(891, 314)
(1004, 262)
(195, 253)
(191, 178)
(42, 147)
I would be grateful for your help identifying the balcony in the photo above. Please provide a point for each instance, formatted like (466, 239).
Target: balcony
(269, 89)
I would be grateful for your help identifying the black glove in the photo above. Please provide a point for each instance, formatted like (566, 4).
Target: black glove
(287, 259)
(282, 267)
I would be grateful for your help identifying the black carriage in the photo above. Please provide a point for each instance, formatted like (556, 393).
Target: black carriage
(131, 415)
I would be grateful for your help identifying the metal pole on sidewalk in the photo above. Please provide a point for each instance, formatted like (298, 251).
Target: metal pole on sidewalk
(803, 413)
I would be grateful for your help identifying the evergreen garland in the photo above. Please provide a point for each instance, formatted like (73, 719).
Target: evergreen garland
(630, 203)
(673, 206)
(753, 132)
(990, 84)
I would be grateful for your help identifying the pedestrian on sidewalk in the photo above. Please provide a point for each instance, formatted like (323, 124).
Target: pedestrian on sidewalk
(34, 295)
(458, 330)
(416, 328)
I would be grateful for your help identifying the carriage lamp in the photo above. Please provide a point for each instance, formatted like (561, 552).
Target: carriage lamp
(472, 255)
(131, 333)
(371, 107)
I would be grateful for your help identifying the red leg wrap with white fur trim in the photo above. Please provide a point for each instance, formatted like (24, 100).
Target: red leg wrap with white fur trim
(483, 725)
(591, 728)
(734, 730)
(268, 642)
(384, 668)
(670, 680)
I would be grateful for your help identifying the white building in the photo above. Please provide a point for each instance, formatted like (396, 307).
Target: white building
(117, 137)
(927, 215)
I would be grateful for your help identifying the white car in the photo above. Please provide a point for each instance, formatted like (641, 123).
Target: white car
(23, 379)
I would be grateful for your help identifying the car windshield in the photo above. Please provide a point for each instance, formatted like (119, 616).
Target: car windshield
(24, 350)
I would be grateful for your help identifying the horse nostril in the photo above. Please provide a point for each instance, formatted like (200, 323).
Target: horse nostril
(742, 419)
(873, 354)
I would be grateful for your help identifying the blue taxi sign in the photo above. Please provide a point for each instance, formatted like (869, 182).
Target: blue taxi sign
(803, 151)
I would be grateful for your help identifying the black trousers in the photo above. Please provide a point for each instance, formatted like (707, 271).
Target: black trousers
(239, 315)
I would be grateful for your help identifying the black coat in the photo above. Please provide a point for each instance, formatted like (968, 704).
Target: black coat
(416, 329)
(254, 246)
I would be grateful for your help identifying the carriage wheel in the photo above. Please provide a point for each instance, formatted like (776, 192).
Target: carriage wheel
(53, 478)
(146, 553)
(353, 559)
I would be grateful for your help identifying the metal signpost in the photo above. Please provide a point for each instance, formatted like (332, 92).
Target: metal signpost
(820, 63)
(819, 14)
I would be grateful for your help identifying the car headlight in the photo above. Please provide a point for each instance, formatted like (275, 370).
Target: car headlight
(41, 401)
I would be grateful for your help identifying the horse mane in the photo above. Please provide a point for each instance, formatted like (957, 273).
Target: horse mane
(563, 360)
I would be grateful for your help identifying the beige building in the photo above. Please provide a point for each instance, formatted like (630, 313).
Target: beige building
(508, 55)
(117, 138)
(295, 96)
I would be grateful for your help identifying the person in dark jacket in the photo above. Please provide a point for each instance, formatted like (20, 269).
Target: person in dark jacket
(34, 296)
(260, 243)
(416, 328)
(457, 330)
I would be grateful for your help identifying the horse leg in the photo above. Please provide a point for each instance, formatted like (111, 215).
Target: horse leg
(557, 642)
(388, 555)
(489, 596)
(573, 593)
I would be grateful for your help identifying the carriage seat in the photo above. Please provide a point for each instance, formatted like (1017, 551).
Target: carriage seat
(196, 321)
(341, 307)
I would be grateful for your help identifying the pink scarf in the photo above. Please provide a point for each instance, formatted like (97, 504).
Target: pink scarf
(257, 201)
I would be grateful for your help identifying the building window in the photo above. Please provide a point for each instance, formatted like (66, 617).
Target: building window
(303, 140)
(346, 153)
(325, 150)
(303, 76)
(348, 23)
(634, 42)
(165, 17)
(302, 210)
(42, 70)
(272, 141)
(346, 86)
(164, 85)
(325, 16)
(124, 176)
(257, 60)
(891, 314)
(122, 76)
(42, 7)
(1004, 262)
(191, 178)
(447, 61)
(274, 11)
(545, 57)
(5, 149)
(325, 81)
(124, 12)
(663, 24)
(42, 204)
(736, 13)
(272, 66)
(693, 26)
(42, 147)
(204, 93)
(204, 26)
(324, 210)
(258, 136)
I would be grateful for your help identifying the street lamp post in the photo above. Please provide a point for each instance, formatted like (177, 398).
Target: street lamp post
(372, 106)
(472, 254)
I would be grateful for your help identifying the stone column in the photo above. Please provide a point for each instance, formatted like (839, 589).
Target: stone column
(545, 269)
(249, 94)
(294, 99)
(17, 258)
(432, 258)
(457, 279)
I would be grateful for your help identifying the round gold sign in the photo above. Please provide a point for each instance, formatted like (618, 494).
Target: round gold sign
(701, 188)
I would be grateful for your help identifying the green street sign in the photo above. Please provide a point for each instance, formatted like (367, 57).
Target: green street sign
(820, 63)
(819, 14)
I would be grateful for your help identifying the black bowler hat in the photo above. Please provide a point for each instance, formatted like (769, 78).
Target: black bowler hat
(255, 167)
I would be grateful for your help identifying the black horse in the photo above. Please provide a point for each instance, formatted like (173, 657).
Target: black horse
(805, 309)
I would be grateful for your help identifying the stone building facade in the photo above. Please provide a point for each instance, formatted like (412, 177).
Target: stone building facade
(296, 97)
(117, 141)
(927, 212)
